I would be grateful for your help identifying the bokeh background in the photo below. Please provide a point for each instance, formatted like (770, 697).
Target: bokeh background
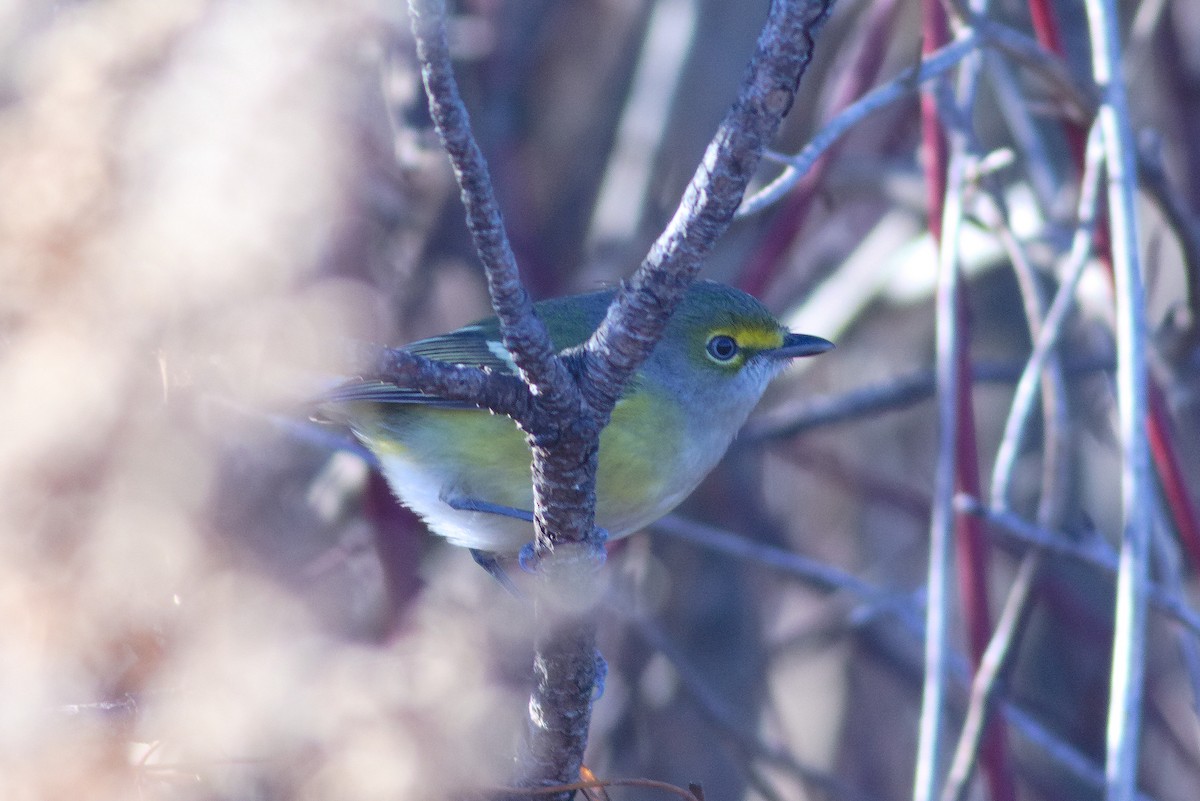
(204, 594)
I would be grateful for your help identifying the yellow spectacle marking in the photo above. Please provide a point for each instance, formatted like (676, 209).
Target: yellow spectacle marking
(751, 338)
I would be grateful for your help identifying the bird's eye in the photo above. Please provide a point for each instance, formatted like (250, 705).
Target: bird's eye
(722, 347)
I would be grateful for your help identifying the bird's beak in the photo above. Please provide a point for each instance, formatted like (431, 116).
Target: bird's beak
(797, 345)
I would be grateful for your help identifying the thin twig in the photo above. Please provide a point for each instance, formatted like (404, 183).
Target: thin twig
(1056, 420)
(1175, 485)
(787, 226)
(933, 65)
(1163, 451)
(971, 548)
(986, 684)
(1094, 553)
(1129, 638)
(1023, 399)
(723, 717)
(1078, 100)
(1019, 120)
(978, 728)
(1064, 754)
(862, 478)
(946, 194)
(892, 394)
(903, 85)
(1165, 553)
(502, 394)
(811, 572)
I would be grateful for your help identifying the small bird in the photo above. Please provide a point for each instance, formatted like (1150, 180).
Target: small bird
(467, 472)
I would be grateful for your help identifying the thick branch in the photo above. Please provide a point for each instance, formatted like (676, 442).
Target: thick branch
(500, 393)
(637, 318)
(525, 335)
(564, 426)
(561, 703)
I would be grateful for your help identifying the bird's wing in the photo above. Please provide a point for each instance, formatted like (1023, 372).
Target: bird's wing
(569, 320)
(472, 345)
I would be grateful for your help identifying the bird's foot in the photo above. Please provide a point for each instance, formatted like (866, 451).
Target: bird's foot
(491, 564)
(528, 557)
(601, 677)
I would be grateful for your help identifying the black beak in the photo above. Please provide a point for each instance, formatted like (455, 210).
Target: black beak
(797, 345)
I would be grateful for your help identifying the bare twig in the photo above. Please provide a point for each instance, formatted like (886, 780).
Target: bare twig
(977, 728)
(1174, 483)
(765, 261)
(1019, 120)
(988, 677)
(958, 454)
(955, 431)
(811, 572)
(1053, 384)
(723, 717)
(1047, 338)
(890, 395)
(1128, 666)
(933, 65)
(1165, 553)
(906, 83)
(503, 394)
(1093, 553)
(861, 478)
(1064, 754)
(1078, 101)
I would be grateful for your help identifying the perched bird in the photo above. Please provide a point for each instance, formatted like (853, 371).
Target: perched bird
(467, 471)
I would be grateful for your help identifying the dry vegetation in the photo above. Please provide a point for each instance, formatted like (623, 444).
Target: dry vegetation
(205, 595)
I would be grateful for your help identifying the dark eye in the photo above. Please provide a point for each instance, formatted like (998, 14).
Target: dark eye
(722, 347)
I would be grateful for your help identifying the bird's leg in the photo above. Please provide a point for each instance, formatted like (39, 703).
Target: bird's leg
(488, 561)
(487, 507)
(527, 557)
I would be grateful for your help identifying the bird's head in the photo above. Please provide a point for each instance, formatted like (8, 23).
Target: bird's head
(721, 349)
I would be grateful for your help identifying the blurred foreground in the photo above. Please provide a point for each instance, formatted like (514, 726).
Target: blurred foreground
(203, 594)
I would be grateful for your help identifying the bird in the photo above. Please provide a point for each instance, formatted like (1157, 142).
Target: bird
(467, 472)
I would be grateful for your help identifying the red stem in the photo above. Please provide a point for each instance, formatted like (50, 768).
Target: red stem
(1046, 30)
(935, 32)
(971, 549)
(1158, 427)
(1174, 485)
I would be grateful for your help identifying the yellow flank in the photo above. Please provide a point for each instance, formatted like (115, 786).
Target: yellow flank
(489, 455)
(635, 451)
(486, 451)
(753, 338)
